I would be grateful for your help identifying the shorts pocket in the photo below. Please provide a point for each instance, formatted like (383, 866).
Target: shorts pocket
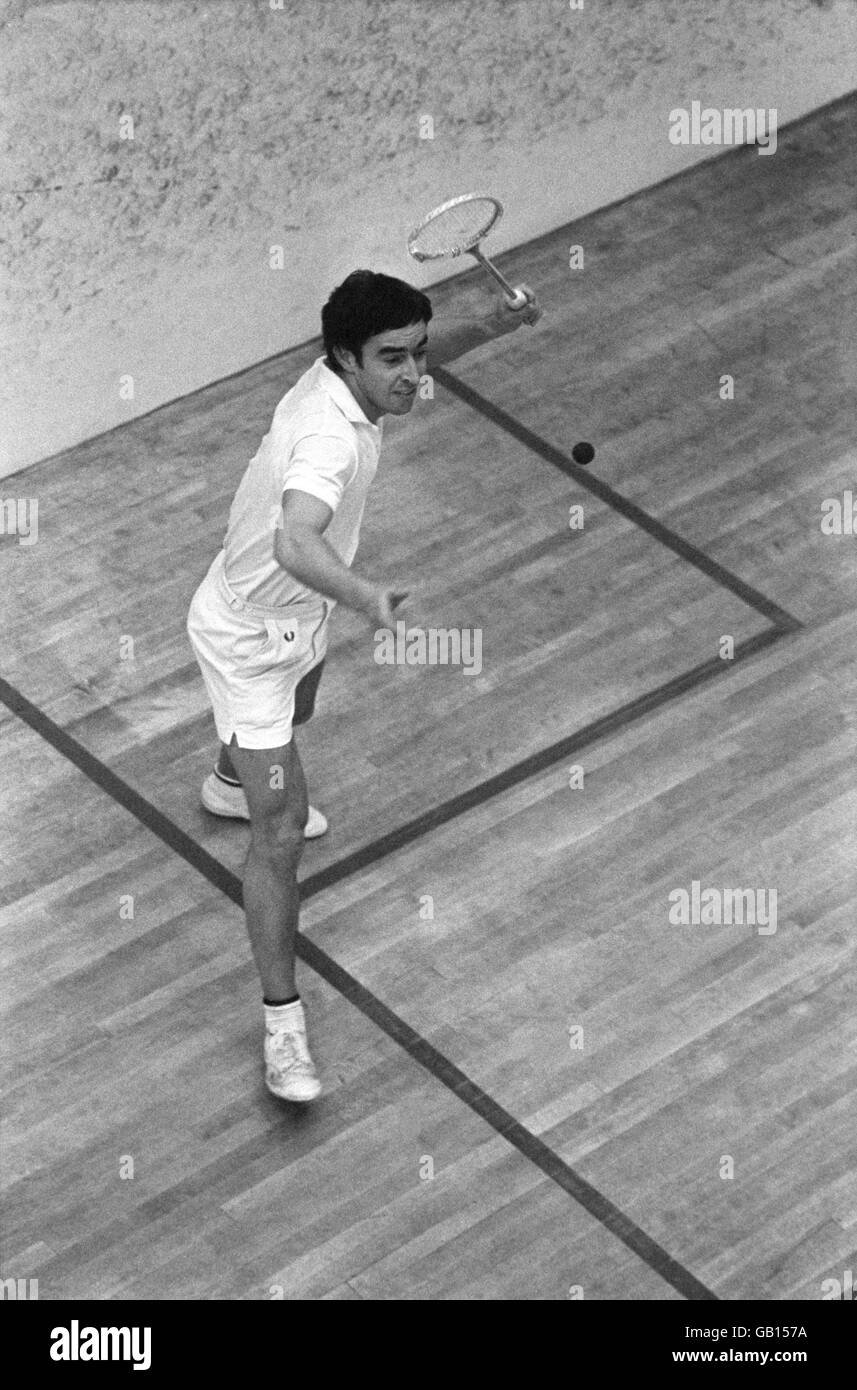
(287, 637)
(272, 642)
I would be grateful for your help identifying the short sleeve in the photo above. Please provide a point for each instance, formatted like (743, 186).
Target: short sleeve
(322, 465)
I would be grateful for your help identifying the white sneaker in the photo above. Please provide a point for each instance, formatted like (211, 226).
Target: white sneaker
(289, 1070)
(222, 799)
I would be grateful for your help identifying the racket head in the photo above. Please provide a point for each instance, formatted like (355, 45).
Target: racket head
(455, 226)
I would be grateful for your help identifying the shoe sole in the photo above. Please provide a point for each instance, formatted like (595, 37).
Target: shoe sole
(299, 1100)
(227, 812)
(221, 808)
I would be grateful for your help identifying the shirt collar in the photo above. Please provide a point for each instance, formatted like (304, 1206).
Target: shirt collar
(341, 396)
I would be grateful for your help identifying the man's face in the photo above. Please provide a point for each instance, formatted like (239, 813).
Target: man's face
(386, 381)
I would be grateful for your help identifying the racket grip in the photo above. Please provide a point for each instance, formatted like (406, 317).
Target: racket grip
(514, 297)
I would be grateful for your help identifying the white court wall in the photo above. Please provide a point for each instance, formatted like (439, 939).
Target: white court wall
(256, 126)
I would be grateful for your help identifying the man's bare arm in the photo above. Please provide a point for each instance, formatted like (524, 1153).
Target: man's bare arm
(451, 337)
(301, 549)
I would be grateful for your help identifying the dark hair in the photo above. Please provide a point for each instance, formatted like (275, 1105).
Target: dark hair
(367, 303)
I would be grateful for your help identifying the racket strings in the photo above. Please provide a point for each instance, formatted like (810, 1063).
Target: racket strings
(455, 229)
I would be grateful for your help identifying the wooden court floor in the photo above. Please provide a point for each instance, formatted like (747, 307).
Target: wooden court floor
(538, 1086)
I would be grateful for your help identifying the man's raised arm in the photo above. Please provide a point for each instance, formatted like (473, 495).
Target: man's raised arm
(451, 336)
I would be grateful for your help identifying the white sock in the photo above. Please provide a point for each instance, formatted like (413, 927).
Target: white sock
(284, 1016)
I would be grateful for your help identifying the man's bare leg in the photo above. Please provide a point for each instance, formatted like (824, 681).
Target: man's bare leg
(316, 824)
(274, 784)
(273, 780)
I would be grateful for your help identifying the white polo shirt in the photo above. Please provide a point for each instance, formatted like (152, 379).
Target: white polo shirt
(320, 442)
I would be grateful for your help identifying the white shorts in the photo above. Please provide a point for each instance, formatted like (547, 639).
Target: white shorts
(252, 658)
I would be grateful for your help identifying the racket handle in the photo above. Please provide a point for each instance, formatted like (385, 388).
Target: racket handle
(515, 298)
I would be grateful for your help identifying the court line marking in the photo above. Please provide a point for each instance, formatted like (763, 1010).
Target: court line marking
(581, 475)
(417, 1047)
(604, 727)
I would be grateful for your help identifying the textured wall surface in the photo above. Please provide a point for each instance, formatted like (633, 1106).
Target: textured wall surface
(256, 126)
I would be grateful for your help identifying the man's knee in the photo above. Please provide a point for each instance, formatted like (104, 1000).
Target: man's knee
(274, 785)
